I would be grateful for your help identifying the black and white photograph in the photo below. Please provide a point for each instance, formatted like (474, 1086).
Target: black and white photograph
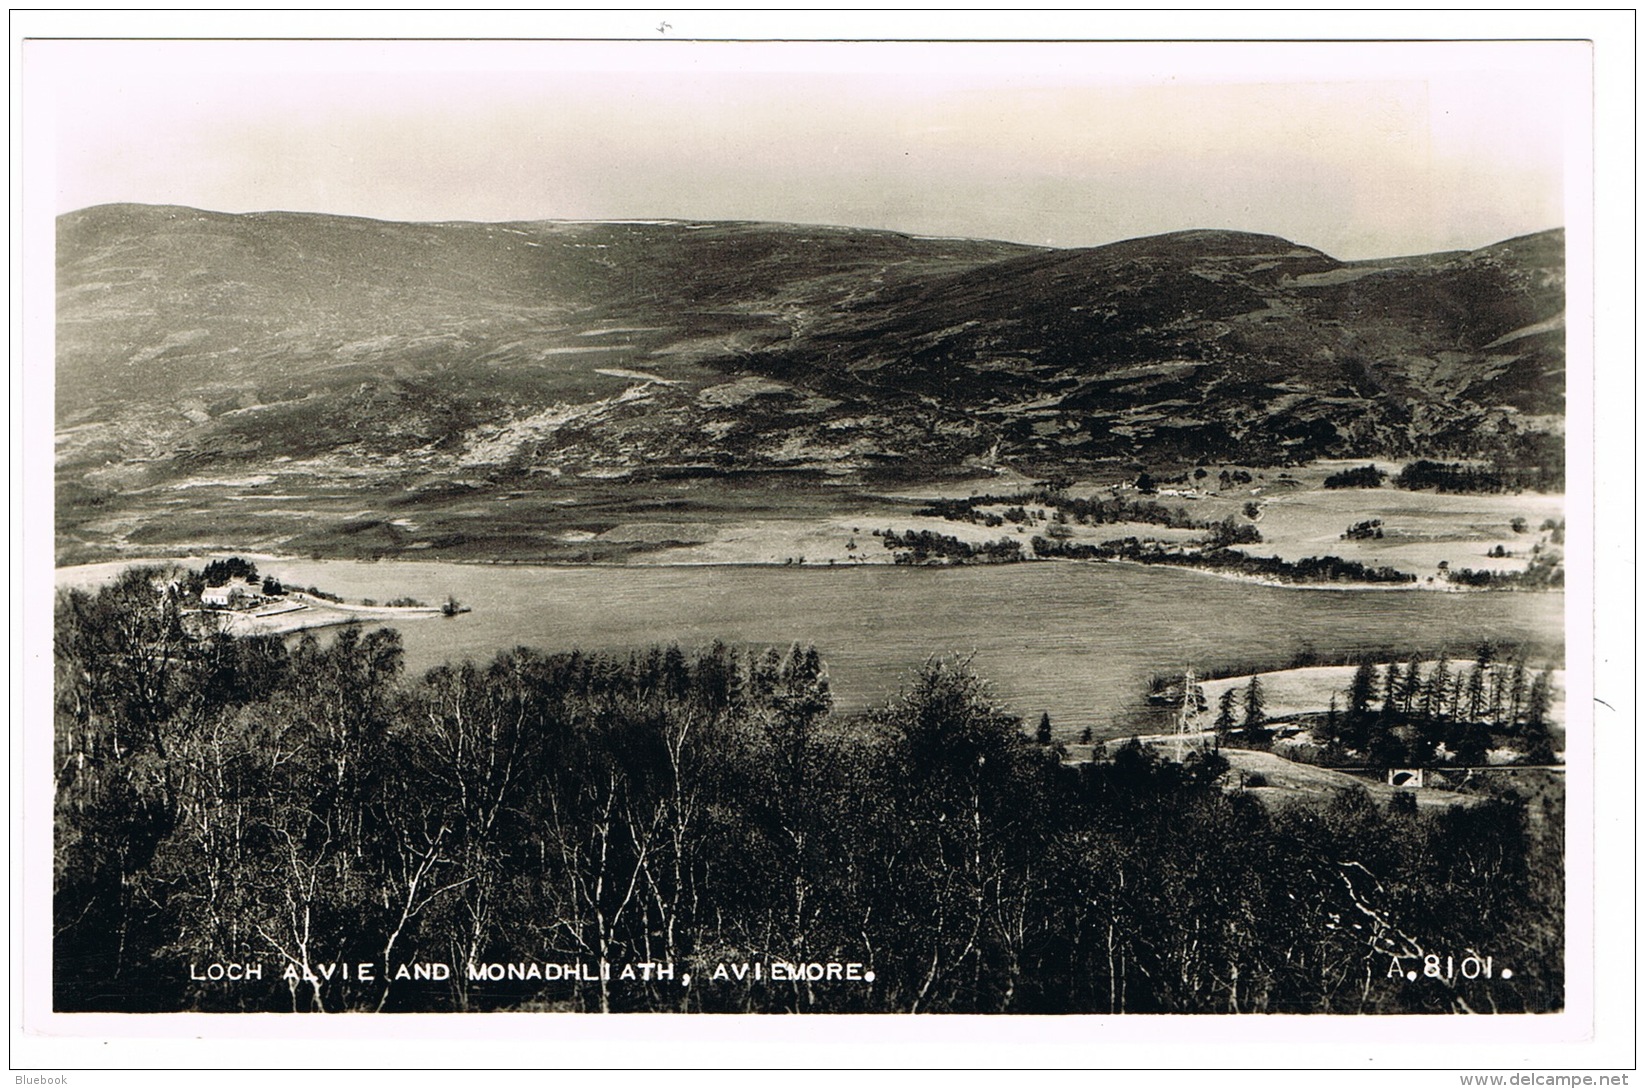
(667, 526)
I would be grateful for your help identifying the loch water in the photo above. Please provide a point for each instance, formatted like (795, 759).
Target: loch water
(1077, 640)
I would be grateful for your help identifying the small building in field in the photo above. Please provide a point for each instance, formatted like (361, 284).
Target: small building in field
(236, 595)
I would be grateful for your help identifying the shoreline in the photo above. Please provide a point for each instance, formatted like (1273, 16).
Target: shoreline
(317, 613)
(1230, 576)
(1280, 584)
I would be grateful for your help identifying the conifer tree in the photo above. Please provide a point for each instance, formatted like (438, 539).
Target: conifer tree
(1538, 737)
(1410, 688)
(1331, 733)
(1516, 693)
(1361, 691)
(1254, 704)
(1473, 694)
(1356, 727)
(1390, 695)
(1436, 693)
(1224, 724)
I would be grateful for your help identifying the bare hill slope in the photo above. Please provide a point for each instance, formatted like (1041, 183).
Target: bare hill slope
(427, 359)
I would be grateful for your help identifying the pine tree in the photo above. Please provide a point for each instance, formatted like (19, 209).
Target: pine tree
(1410, 689)
(1356, 726)
(1516, 693)
(1043, 734)
(1390, 695)
(1361, 690)
(1224, 724)
(1382, 744)
(1538, 737)
(1538, 703)
(1254, 705)
(1437, 691)
(1496, 698)
(1473, 694)
(1330, 735)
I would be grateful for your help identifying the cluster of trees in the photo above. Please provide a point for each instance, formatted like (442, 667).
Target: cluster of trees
(1230, 531)
(924, 546)
(223, 572)
(1368, 477)
(226, 571)
(1307, 569)
(1066, 509)
(1461, 478)
(1254, 702)
(1091, 511)
(235, 799)
(1368, 530)
(1401, 715)
(1420, 714)
(1507, 460)
(1545, 571)
(1057, 547)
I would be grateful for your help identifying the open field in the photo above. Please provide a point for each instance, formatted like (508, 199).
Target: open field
(1295, 515)
(766, 518)
(297, 512)
(1421, 530)
(1288, 693)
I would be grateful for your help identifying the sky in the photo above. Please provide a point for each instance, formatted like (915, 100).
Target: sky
(1359, 149)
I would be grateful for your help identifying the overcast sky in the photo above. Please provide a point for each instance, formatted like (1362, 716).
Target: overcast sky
(1361, 150)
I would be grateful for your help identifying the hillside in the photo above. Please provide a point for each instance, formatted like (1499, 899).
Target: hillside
(1216, 345)
(312, 360)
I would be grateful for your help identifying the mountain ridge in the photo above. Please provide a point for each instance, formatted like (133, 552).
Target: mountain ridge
(196, 345)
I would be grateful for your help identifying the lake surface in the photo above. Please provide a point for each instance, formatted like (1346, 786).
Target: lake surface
(1077, 640)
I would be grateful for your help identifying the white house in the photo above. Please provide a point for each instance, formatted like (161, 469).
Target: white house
(232, 596)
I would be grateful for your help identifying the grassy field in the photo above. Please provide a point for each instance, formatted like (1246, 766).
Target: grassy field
(1421, 530)
(1295, 514)
(778, 518)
